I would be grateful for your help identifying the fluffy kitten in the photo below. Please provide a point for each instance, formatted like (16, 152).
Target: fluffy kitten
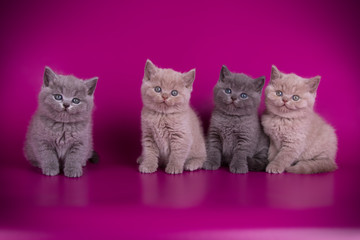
(60, 132)
(300, 140)
(235, 133)
(171, 131)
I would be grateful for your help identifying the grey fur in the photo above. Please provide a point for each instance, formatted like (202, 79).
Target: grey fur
(60, 135)
(235, 133)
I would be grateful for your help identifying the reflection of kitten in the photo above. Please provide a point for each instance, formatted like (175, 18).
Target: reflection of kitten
(300, 140)
(235, 133)
(171, 131)
(60, 132)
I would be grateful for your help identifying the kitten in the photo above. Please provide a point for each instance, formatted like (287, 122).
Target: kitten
(235, 133)
(300, 140)
(60, 132)
(171, 131)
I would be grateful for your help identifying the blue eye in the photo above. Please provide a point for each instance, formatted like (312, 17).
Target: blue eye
(296, 98)
(228, 91)
(243, 95)
(157, 89)
(174, 93)
(279, 93)
(76, 100)
(58, 97)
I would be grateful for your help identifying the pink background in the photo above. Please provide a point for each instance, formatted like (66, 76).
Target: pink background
(113, 39)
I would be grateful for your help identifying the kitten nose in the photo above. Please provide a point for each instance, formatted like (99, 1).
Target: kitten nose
(66, 105)
(233, 98)
(165, 96)
(285, 100)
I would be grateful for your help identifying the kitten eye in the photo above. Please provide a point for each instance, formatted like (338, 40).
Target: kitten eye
(157, 89)
(296, 98)
(279, 93)
(243, 95)
(228, 91)
(58, 97)
(76, 100)
(174, 93)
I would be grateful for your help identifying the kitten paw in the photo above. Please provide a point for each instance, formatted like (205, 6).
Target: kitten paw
(51, 168)
(73, 171)
(173, 169)
(147, 168)
(237, 168)
(50, 171)
(273, 167)
(193, 164)
(209, 165)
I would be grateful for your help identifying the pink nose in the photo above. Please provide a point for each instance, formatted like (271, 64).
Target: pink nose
(285, 100)
(165, 97)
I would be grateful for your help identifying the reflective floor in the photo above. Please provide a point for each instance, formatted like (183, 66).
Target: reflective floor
(113, 200)
(112, 40)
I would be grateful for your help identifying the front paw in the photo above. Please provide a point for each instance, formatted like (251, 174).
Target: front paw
(50, 171)
(172, 168)
(274, 167)
(73, 171)
(238, 168)
(193, 164)
(51, 168)
(271, 155)
(147, 168)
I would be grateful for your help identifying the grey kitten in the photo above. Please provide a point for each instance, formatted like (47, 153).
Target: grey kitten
(171, 131)
(235, 133)
(60, 132)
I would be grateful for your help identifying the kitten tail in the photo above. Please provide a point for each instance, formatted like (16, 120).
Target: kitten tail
(312, 166)
(94, 158)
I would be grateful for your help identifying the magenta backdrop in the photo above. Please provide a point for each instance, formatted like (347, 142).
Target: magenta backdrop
(113, 39)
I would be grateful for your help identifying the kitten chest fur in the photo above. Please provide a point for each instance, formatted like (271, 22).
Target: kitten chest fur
(284, 130)
(165, 128)
(64, 136)
(234, 131)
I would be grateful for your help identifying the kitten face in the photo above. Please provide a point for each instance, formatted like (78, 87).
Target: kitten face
(66, 98)
(237, 93)
(165, 90)
(289, 95)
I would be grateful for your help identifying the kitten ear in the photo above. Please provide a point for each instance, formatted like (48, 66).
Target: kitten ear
(91, 85)
(313, 83)
(224, 72)
(150, 70)
(275, 73)
(189, 78)
(259, 83)
(49, 76)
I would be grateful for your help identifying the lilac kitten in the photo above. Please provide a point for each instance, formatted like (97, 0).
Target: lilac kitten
(171, 131)
(60, 132)
(300, 140)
